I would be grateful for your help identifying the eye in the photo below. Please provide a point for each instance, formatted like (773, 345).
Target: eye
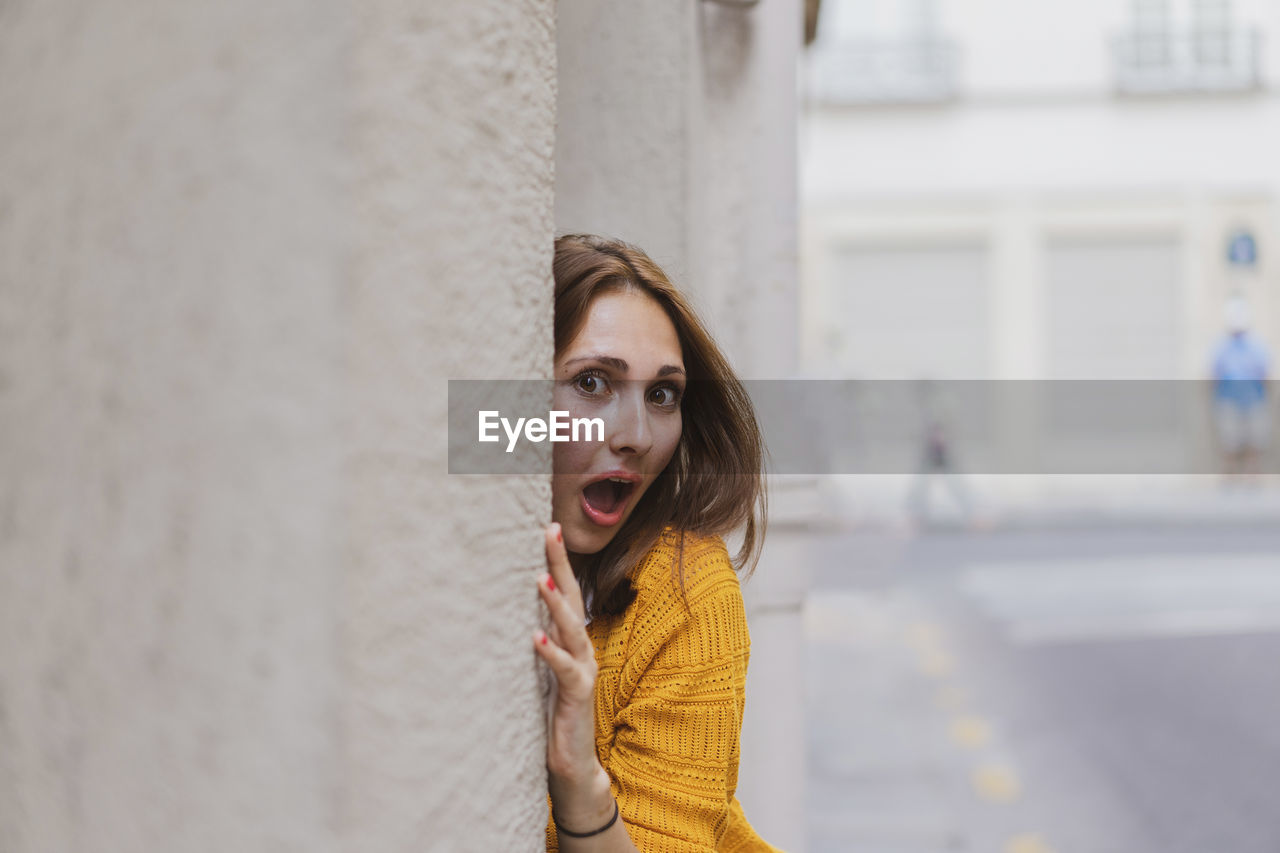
(666, 396)
(590, 382)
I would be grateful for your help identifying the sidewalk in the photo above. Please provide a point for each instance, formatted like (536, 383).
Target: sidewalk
(903, 756)
(853, 503)
(1212, 505)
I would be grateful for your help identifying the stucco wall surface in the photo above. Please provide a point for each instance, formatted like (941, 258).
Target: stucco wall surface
(242, 607)
(677, 132)
(744, 204)
(454, 143)
(623, 169)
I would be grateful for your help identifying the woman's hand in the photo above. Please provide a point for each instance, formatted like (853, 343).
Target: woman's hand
(578, 784)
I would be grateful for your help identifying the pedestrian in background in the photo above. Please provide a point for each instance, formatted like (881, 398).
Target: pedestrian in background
(1241, 365)
(937, 462)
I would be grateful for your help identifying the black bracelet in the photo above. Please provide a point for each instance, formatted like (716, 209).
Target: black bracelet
(564, 831)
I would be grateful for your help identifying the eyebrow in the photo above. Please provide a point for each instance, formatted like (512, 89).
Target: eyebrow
(621, 366)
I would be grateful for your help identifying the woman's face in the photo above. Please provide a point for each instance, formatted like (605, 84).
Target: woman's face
(624, 367)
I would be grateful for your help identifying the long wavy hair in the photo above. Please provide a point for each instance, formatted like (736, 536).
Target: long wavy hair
(714, 483)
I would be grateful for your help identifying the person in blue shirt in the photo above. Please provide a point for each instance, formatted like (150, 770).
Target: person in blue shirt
(1241, 364)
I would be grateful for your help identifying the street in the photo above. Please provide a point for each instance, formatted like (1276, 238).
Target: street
(1106, 689)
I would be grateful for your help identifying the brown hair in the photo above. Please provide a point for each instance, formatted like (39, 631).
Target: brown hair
(714, 482)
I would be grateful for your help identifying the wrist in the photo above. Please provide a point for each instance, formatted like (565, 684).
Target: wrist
(584, 804)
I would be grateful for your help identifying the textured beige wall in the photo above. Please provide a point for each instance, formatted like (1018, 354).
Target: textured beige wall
(242, 607)
(625, 123)
(744, 206)
(452, 280)
(677, 132)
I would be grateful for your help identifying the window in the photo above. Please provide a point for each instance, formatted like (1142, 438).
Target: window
(1187, 46)
(1153, 33)
(1211, 32)
(882, 51)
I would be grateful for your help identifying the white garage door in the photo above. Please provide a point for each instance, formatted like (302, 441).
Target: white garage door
(1114, 309)
(910, 312)
(1114, 314)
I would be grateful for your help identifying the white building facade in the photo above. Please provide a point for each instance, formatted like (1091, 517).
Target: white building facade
(1001, 190)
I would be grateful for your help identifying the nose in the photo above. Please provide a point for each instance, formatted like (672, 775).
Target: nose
(632, 433)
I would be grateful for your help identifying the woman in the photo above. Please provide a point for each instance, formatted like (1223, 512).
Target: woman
(642, 750)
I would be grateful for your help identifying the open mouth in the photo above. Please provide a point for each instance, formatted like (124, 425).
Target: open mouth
(604, 500)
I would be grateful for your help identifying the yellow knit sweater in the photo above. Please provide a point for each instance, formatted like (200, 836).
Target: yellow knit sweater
(670, 692)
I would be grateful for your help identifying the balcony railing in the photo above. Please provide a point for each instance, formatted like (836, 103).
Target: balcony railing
(1149, 63)
(914, 71)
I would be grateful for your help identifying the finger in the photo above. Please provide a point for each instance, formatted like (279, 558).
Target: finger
(567, 620)
(559, 567)
(553, 631)
(569, 673)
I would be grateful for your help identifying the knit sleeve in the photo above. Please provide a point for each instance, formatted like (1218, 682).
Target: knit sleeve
(674, 759)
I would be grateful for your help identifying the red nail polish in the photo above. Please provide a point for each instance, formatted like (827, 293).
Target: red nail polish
(551, 584)
(559, 537)
(544, 639)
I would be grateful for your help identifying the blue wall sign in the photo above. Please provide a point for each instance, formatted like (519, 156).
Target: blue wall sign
(1242, 250)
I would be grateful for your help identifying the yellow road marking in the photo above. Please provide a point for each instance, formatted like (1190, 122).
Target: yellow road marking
(926, 640)
(996, 783)
(971, 732)
(1029, 842)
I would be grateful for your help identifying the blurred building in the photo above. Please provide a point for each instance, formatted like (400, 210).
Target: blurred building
(1037, 190)
(1001, 189)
